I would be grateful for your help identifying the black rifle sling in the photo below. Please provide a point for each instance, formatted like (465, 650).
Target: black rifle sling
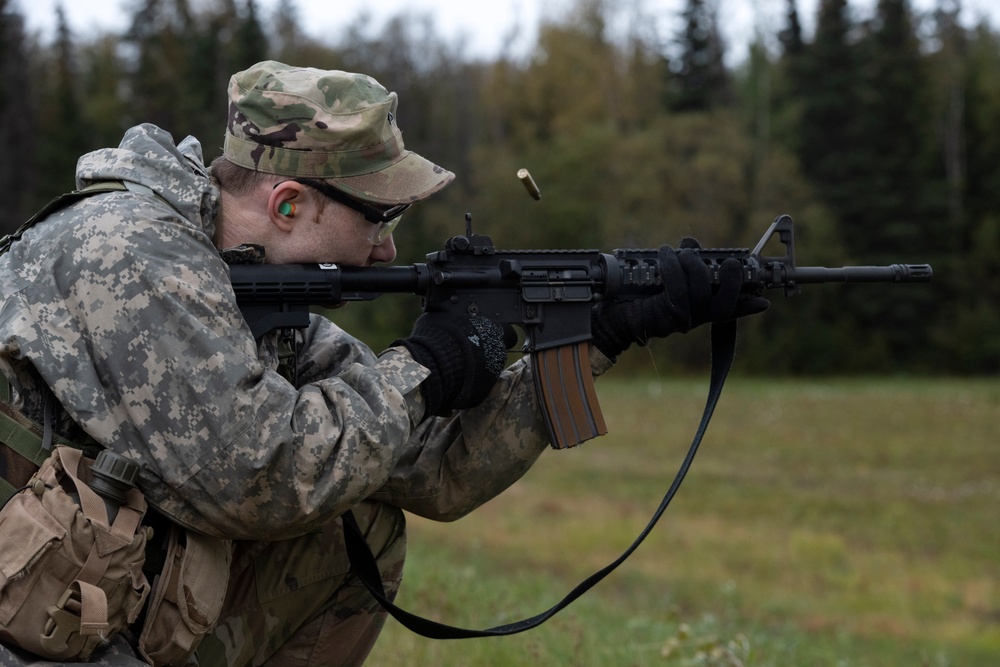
(364, 565)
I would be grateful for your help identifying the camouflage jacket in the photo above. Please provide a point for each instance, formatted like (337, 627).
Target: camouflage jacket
(121, 304)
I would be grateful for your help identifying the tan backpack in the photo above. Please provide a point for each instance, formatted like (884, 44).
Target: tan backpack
(82, 574)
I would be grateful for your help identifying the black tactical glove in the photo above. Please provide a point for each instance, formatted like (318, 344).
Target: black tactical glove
(688, 300)
(464, 355)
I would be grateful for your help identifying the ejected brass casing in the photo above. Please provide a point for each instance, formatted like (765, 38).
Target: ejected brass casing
(529, 184)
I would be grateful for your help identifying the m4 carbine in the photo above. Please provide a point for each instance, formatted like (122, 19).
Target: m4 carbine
(547, 293)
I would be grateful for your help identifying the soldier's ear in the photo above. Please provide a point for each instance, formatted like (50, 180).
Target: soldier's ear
(282, 204)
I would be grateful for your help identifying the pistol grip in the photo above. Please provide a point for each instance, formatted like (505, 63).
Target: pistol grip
(565, 388)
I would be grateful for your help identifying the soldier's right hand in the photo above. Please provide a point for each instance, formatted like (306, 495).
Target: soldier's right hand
(465, 356)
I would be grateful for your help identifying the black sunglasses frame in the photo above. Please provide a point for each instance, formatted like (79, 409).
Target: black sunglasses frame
(372, 214)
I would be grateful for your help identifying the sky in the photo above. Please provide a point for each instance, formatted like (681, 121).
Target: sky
(482, 25)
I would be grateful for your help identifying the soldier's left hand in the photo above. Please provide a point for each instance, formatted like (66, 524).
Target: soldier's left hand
(689, 299)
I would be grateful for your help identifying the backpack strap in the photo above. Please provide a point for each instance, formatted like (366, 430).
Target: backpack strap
(59, 202)
(25, 444)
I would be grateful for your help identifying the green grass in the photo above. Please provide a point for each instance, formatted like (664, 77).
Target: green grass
(840, 523)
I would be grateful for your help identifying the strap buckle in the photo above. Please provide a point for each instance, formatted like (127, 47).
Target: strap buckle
(64, 622)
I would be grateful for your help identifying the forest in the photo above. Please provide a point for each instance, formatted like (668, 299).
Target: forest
(877, 131)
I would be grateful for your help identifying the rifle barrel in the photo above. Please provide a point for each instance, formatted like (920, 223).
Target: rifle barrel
(893, 273)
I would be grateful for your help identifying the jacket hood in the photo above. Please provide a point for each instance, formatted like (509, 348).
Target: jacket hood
(148, 156)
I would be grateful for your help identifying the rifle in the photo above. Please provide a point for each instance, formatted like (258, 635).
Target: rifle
(547, 293)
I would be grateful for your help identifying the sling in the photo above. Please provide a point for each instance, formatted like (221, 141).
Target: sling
(364, 564)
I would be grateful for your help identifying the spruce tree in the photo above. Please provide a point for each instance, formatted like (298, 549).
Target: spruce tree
(249, 41)
(896, 187)
(827, 85)
(699, 78)
(17, 133)
(790, 36)
(63, 131)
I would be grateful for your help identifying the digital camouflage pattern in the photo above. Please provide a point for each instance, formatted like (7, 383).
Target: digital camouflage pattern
(122, 305)
(300, 121)
(117, 653)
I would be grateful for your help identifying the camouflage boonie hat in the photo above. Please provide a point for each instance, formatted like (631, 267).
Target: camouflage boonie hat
(311, 123)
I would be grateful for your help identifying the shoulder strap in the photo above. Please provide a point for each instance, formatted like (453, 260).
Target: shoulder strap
(57, 203)
(365, 567)
(21, 438)
(68, 198)
(24, 444)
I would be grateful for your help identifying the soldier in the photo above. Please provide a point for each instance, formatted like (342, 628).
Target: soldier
(120, 305)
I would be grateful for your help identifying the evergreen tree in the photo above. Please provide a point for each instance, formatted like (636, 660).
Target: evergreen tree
(63, 130)
(17, 132)
(290, 44)
(249, 41)
(893, 211)
(950, 65)
(971, 272)
(218, 44)
(183, 60)
(827, 86)
(787, 80)
(699, 80)
(106, 113)
(162, 90)
(981, 113)
(897, 189)
(286, 33)
(791, 35)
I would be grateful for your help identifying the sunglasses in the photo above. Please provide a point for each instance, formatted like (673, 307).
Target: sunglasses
(384, 219)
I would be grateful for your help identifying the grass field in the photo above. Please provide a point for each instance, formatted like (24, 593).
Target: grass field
(825, 522)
